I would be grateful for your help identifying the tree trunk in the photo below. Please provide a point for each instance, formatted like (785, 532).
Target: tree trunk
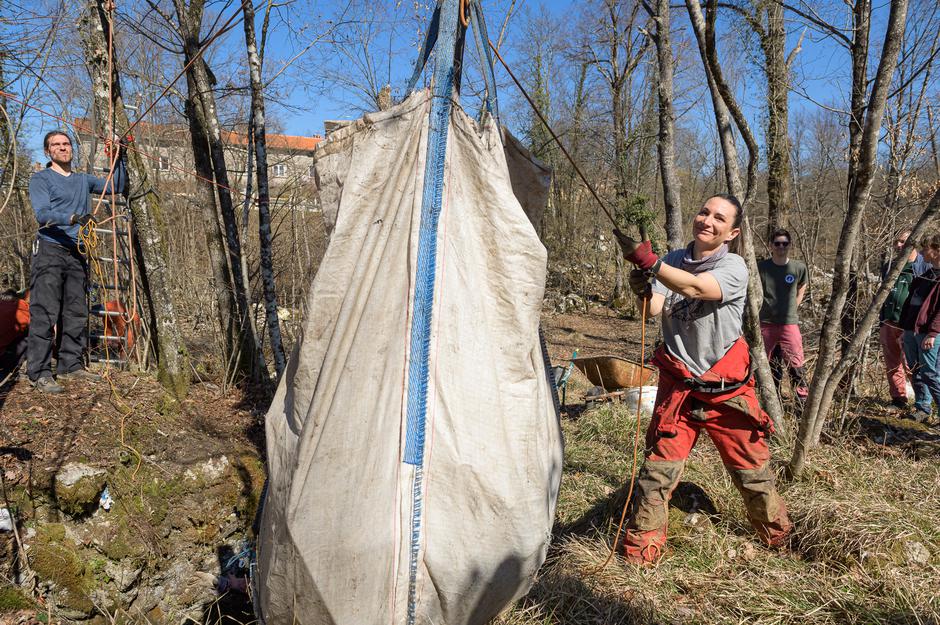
(666, 143)
(205, 202)
(264, 213)
(778, 133)
(861, 178)
(148, 221)
(722, 104)
(190, 22)
(620, 166)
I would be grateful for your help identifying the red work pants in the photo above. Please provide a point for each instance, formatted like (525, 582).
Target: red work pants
(892, 348)
(744, 452)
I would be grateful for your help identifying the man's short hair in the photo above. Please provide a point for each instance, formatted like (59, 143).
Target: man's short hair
(781, 232)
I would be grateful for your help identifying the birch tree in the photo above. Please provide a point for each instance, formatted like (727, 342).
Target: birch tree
(255, 59)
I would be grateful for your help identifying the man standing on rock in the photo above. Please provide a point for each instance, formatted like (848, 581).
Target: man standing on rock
(890, 332)
(784, 281)
(58, 272)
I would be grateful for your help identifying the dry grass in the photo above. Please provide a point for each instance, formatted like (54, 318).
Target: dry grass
(866, 519)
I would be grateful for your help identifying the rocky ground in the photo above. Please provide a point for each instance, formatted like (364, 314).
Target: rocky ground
(183, 480)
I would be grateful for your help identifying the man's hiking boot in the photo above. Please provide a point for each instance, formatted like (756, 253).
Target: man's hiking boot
(46, 384)
(81, 375)
(899, 402)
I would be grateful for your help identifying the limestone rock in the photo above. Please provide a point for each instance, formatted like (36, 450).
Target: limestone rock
(77, 488)
(916, 553)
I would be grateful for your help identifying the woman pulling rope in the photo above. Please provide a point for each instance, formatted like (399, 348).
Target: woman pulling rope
(705, 380)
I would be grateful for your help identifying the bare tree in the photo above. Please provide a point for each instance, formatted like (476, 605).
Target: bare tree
(865, 127)
(666, 142)
(148, 215)
(255, 59)
(624, 48)
(189, 18)
(726, 108)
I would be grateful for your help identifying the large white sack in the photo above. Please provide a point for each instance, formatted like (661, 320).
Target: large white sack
(336, 531)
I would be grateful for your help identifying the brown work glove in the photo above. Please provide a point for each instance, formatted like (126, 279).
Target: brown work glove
(641, 283)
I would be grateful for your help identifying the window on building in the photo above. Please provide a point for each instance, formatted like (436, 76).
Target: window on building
(280, 169)
(164, 163)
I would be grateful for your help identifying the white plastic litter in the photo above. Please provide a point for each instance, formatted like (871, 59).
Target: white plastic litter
(105, 501)
(632, 396)
(6, 520)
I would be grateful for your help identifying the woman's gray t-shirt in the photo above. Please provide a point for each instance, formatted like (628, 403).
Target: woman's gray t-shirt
(699, 332)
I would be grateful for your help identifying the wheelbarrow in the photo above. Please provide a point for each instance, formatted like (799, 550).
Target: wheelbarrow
(610, 375)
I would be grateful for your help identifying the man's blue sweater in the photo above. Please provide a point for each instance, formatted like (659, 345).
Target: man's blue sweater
(55, 198)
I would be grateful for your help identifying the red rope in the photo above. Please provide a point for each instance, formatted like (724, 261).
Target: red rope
(133, 147)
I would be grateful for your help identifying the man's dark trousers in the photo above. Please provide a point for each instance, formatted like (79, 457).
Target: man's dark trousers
(58, 286)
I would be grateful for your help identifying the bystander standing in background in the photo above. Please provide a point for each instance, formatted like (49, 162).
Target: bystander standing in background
(920, 320)
(890, 333)
(784, 281)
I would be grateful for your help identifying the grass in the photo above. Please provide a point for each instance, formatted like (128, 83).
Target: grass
(866, 543)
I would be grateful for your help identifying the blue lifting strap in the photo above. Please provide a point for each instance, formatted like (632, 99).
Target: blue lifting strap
(483, 51)
(420, 341)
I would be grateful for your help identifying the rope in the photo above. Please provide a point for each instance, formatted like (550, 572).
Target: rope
(590, 187)
(88, 242)
(561, 145)
(12, 157)
(133, 147)
(636, 445)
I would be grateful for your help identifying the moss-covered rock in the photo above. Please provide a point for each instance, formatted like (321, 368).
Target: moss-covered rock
(12, 600)
(58, 561)
(78, 487)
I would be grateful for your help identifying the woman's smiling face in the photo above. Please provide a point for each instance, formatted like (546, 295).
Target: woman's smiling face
(714, 223)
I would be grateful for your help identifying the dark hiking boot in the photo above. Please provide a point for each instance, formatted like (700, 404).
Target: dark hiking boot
(899, 402)
(46, 384)
(80, 375)
(918, 415)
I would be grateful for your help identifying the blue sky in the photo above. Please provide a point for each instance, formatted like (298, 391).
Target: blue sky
(821, 69)
(308, 94)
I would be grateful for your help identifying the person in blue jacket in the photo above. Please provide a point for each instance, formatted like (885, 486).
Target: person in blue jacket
(58, 271)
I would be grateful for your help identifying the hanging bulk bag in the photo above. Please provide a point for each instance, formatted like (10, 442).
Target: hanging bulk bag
(413, 445)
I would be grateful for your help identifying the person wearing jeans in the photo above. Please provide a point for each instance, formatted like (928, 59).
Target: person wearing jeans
(890, 334)
(920, 319)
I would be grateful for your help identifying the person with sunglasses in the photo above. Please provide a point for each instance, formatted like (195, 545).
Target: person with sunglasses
(784, 281)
